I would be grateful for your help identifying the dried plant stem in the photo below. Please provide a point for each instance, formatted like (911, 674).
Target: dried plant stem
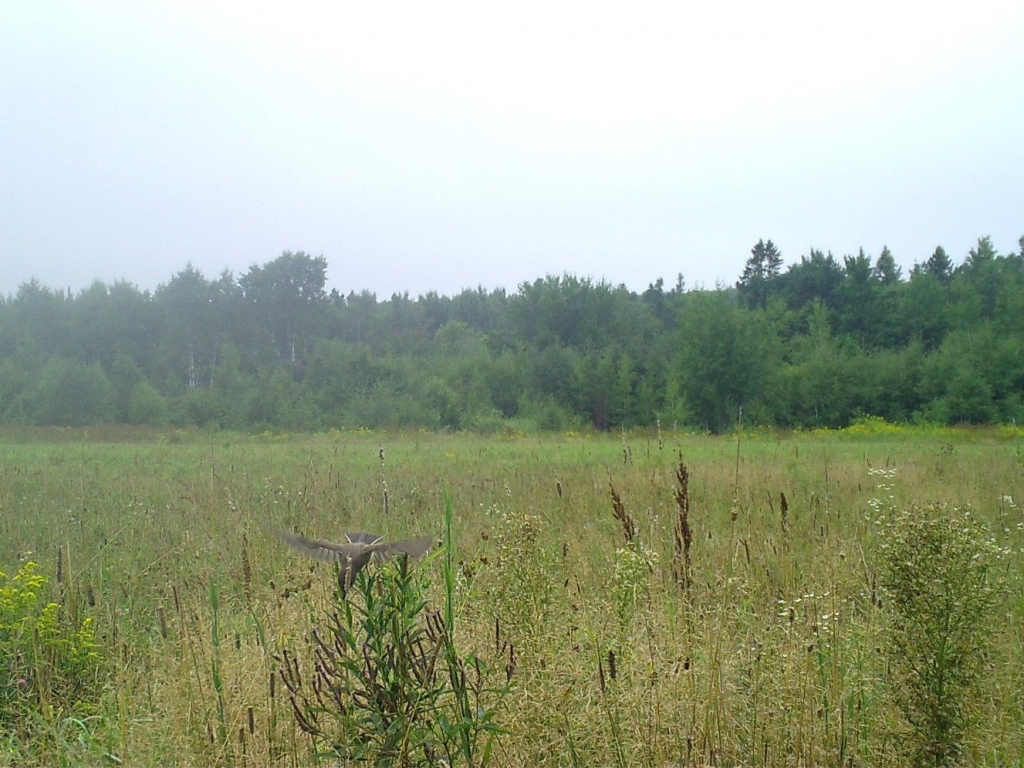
(681, 565)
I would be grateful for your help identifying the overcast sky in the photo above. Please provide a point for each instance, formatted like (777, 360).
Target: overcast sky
(441, 145)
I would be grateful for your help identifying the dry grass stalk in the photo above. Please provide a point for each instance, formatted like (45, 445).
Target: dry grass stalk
(619, 513)
(510, 666)
(384, 482)
(683, 534)
(246, 569)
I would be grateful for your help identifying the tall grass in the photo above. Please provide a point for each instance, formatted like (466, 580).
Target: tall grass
(751, 636)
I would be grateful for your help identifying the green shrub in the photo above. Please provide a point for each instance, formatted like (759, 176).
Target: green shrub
(937, 577)
(634, 565)
(51, 666)
(521, 582)
(387, 685)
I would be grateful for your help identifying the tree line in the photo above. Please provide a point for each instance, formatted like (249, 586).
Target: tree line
(819, 343)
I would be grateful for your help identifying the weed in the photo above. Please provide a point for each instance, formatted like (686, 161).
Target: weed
(682, 533)
(520, 586)
(387, 684)
(52, 666)
(938, 575)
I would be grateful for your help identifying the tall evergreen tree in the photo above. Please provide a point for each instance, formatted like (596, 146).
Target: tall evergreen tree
(855, 298)
(982, 272)
(886, 271)
(760, 275)
(889, 278)
(940, 266)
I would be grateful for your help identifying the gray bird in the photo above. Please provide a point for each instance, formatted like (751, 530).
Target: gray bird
(356, 551)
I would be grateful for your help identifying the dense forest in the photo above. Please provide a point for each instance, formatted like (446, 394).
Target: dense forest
(819, 343)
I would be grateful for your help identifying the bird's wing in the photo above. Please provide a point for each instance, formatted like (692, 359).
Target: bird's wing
(358, 546)
(411, 547)
(327, 551)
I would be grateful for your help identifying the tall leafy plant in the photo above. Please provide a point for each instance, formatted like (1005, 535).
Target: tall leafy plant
(937, 573)
(387, 684)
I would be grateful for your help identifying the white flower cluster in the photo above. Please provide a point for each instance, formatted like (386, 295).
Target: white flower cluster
(805, 603)
(1006, 506)
(885, 496)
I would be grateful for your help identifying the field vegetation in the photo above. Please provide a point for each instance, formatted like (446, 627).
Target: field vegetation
(641, 598)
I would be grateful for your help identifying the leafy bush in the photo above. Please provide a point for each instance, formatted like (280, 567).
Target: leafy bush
(387, 685)
(634, 564)
(937, 575)
(521, 581)
(67, 393)
(51, 665)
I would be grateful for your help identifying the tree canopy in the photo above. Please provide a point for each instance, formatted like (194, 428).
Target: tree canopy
(821, 342)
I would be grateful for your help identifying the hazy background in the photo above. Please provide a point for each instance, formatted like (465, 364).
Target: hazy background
(442, 145)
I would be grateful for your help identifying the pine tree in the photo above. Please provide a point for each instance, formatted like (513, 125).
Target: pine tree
(760, 274)
(886, 271)
(940, 266)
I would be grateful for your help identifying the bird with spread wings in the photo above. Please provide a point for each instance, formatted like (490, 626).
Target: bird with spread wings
(356, 551)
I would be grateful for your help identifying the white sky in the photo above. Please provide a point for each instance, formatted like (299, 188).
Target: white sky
(441, 145)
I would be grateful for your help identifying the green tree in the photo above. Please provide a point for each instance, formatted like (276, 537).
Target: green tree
(486, 312)
(973, 378)
(657, 302)
(569, 310)
(886, 271)
(1009, 313)
(821, 384)
(357, 318)
(70, 394)
(924, 310)
(125, 376)
(982, 271)
(107, 321)
(402, 327)
(41, 319)
(462, 363)
(855, 299)
(891, 382)
(760, 275)
(726, 358)
(147, 406)
(552, 371)
(815, 277)
(940, 266)
(277, 400)
(191, 328)
(507, 381)
(283, 296)
(888, 277)
(603, 387)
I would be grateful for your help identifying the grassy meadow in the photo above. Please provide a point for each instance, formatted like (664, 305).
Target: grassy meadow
(765, 648)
